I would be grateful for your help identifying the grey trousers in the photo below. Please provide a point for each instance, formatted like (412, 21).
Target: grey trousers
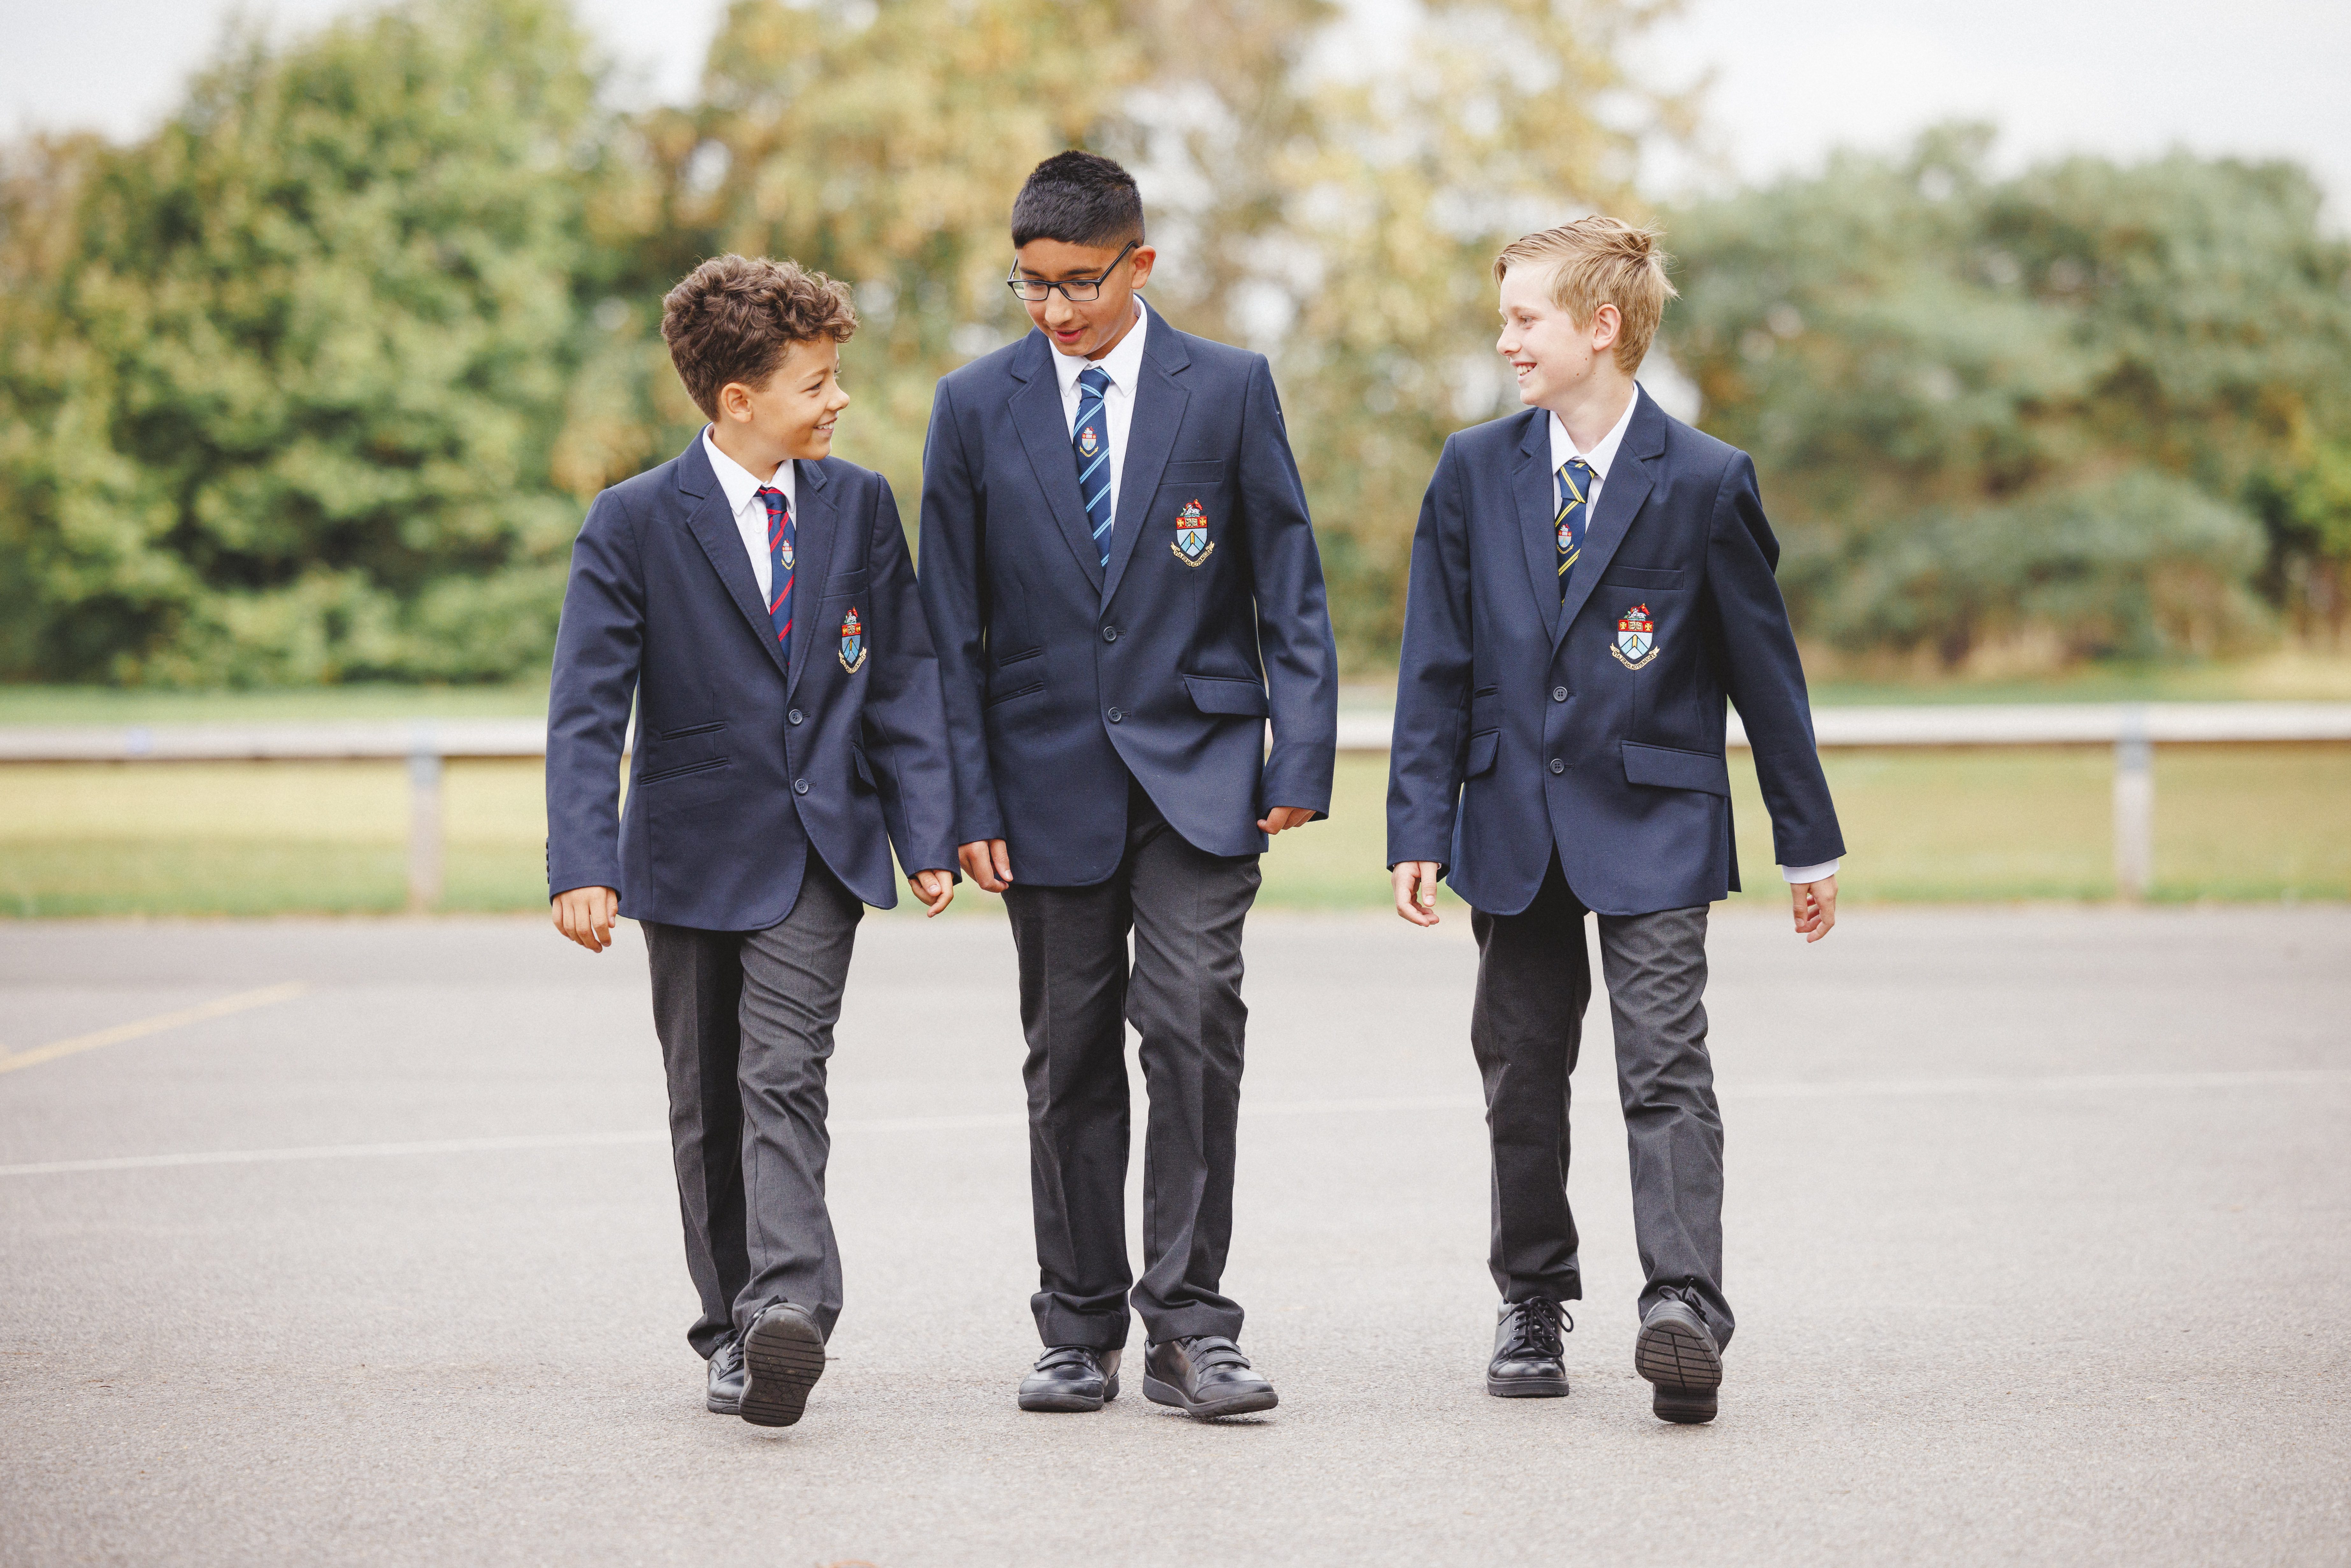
(1525, 1027)
(1182, 993)
(746, 1025)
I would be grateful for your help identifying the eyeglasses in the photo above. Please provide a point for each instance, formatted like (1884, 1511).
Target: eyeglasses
(1077, 290)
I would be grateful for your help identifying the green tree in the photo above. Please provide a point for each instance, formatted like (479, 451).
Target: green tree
(307, 356)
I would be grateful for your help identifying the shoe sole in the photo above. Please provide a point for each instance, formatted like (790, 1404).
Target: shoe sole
(1160, 1393)
(783, 1355)
(1527, 1387)
(1070, 1404)
(723, 1407)
(1685, 1368)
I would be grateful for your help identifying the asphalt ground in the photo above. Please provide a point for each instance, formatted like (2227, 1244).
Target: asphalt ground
(2037, 1235)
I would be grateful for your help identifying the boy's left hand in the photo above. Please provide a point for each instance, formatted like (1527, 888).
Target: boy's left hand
(1816, 907)
(1283, 817)
(934, 888)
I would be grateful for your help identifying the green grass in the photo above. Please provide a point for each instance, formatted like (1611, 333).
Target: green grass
(2238, 822)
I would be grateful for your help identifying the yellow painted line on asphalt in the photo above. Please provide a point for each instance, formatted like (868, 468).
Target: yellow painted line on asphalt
(244, 1001)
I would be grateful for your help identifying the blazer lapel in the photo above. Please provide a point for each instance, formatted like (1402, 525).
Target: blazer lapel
(1538, 502)
(711, 523)
(815, 523)
(1044, 427)
(1621, 494)
(1159, 404)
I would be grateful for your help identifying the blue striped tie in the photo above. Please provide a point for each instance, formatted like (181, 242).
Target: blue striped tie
(1574, 488)
(1092, 442)
(781, 560)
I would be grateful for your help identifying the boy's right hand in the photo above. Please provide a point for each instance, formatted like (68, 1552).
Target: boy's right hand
(1415, 891)
(986, 863)
(586, 916)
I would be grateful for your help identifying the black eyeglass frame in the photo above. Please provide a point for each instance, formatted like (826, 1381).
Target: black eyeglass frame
(1017, 283)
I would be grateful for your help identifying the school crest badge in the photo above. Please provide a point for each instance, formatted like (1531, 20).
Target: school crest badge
(1566, 536)
(786, 554)
(1636, 638)
(1192, 546)
(1087, 443)
(853, 641)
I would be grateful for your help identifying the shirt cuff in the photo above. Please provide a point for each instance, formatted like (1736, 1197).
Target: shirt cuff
(1796, 873)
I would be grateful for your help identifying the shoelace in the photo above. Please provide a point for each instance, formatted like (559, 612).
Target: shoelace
(1534, 1326)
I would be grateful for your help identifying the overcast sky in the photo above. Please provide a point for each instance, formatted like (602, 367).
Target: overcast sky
(1791, 77)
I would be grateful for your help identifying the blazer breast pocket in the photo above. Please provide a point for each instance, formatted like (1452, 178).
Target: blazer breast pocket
(1641, 577)
(1194, 472)
(850, 582)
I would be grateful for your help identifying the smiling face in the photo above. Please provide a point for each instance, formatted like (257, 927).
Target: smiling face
(790, 415)
(1559, 364)
(1091, 330)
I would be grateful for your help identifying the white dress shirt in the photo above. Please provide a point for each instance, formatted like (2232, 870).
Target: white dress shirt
(1602, 453)
(742, 488)
(1123, 365)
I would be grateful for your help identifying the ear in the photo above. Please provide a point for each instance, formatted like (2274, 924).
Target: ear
(735, 401)
(1142, 261)
(1607, 322)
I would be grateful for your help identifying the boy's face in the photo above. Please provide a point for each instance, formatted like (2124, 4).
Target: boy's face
(1091, 330)
(1554, 357)
(791, 414)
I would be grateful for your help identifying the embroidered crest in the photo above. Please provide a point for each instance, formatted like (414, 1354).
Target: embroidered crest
(1086, 442)
(1636, 638)
(1192, 546)
(1566, 535)
(785, 553)
(853, 641)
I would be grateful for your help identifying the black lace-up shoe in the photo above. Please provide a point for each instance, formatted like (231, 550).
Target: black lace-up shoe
(1204, 1377)
(726, 1395)
(1527, 1352)
(1070, 1377)
(1677, 1352)
(783, 1355)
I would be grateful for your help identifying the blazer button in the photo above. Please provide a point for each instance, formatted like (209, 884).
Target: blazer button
(1558, 694)
(799, 786)
(1557, 766)
(1115, 715)
(794, 716)
(1110, 633)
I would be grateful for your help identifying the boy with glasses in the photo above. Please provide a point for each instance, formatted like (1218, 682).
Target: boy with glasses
(1124, 587)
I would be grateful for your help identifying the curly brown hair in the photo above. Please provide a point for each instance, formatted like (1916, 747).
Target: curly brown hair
(735, 318)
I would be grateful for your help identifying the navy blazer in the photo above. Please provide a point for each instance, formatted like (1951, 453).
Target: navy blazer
(1063, 679)
(1593, 728)
(739, 769)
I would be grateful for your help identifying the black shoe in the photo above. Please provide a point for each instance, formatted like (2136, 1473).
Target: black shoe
(1070, 1377)
(783, 1355)
(1527, 1353)
(726, 1397)
(1677, 1351)
(1204, 1377)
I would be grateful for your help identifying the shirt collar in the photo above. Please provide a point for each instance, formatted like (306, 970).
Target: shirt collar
(740, 484)
(1603, 451)
(1121, 364)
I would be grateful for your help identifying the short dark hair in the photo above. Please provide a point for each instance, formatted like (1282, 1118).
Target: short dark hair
(733, 318)
(1078, 198)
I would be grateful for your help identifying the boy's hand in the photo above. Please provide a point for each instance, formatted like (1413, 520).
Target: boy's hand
(586, 916)
(935, 888)
(1283, 817)
(986, 863)
(1415, 891)
(1816, 907)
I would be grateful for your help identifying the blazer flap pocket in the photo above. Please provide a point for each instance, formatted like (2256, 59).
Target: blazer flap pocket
(1669, 768)
(1642, 576)
(1483, 746)
(865, 769)
(845, 581)
(1211, 694)
(1193, 473)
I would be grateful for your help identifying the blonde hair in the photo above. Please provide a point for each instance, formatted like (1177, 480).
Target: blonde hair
(1599, 261)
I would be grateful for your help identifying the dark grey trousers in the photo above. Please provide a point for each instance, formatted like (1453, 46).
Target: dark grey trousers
(1533, 981)
(1182, 993)
(746, 1025)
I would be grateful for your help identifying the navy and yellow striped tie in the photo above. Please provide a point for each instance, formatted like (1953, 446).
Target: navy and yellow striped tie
(1092, 440)
(1574, 511)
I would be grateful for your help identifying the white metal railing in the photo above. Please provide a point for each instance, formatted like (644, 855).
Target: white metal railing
(2132, 729)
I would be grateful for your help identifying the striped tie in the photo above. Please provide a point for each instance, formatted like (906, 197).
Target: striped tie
(781, 559)
(1092, 440)
(1574, 488)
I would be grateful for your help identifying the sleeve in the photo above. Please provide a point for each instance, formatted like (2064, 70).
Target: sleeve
(1762, 672)
(598, 644)
(905, 721)
(1429, 750)
(955, 599)
(1294, 616)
